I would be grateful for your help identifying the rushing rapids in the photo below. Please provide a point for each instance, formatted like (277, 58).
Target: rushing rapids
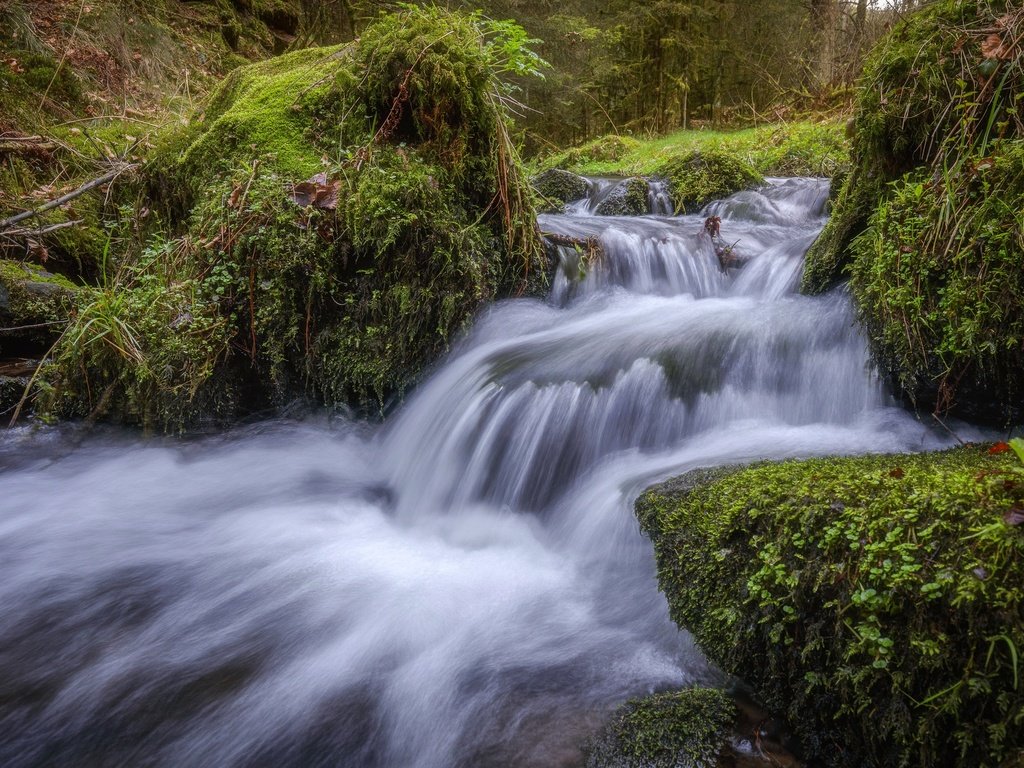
(464, 585)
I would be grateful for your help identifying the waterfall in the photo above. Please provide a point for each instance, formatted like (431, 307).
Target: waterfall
(464, 585)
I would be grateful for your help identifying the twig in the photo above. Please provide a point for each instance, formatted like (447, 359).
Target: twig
(99, 182)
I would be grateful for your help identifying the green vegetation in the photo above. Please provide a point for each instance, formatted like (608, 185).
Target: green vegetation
(33, 301)
(935, 189)
(697, 178)
(702, 166)
(680, 729)
(342, 285)
(876, 601)
(792, 149)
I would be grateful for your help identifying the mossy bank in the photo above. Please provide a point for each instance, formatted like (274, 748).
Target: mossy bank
(346, 211)
(877, 601)
(702, 166)
(927, 225)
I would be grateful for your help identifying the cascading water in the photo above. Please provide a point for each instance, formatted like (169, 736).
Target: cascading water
(465, 585)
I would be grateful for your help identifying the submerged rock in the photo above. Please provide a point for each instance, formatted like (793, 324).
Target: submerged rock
(629, 198)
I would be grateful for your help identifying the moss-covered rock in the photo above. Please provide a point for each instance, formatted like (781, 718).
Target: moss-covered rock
(34, 307)
(877, 601)
(679, 729)
(937, 173)
(629, 198)
(697, 178)
(945, 318)
(557, 187)
(348, 210)
(909, 103)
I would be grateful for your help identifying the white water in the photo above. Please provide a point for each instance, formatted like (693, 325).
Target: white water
(464, 586)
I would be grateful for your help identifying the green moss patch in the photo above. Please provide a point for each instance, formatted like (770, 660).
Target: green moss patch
(34, 307)
(877, 601)
(697, 178)
(557, 187)
(679, 729)
(789, 149)
(936, 189)
(348, 210)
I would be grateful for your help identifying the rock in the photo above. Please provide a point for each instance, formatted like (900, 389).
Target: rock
(559, 187)
(33, 305)
(629, 198)
(686, 729)
(755, 563)
(698, 178)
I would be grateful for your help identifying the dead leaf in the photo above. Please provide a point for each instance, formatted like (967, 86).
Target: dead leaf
(317, 192)
(994, 47)
(897, 473)
(998, 448)
(1014, 517)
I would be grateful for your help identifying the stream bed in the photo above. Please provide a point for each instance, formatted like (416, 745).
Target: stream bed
(462, 585)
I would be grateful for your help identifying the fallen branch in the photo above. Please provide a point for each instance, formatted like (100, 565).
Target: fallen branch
(49, 206)
(18, 232)
(26, 144)
(572, 242)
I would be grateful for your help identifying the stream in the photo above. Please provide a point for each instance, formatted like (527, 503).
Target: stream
(462, 585)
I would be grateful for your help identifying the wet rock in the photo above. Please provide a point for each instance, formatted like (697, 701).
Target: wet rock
(629, 198)
(559, 187)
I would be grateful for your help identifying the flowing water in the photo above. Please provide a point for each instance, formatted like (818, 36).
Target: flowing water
(464, 585)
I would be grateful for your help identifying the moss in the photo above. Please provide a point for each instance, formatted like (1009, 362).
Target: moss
(944, 319)
(699, 177)
(918, 91)
(629, 198)
(342, 285)
(937, 174)
(144, 349)
(877, 601)
(606, 149)
(788, 149)
(679, 729)
(34, 302)
(557, 187)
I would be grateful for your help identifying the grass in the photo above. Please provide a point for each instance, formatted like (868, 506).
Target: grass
(791, 149)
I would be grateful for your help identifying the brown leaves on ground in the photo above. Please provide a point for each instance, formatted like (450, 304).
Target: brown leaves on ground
(318, 192)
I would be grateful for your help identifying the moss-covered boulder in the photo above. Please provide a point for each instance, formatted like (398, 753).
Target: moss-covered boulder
(925, 223)
(557, 187)
(34, 308)
(348, 210)
(699, 177)
(877, 601)
(629, 198)
(678, 729)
